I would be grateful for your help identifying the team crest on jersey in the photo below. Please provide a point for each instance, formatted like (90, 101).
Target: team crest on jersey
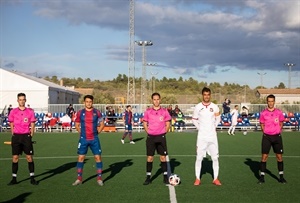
(94, 114)
(211, 110)
(25, 120)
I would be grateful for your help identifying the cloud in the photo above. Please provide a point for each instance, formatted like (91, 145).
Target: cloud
(191, 36)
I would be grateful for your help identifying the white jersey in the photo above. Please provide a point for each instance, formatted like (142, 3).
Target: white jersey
(204, 119)
(234, 115)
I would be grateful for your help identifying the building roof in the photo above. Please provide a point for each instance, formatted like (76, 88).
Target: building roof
(42, 81)
(278, 91)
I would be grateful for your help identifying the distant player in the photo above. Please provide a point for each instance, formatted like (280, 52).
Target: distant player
(156, 122)
(206, 118)
(89, 123)
(22, 124)
(234, 116)
(271, 122)
(127, 117)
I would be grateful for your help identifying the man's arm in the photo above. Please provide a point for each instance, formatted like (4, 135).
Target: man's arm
(12, 127)
(145, 125)
(77, 127)
(217, 119)
(168, 123)
(262, 126)
(100, 127)
(32, 129)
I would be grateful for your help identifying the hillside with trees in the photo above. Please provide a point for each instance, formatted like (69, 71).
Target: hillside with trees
(181, 91)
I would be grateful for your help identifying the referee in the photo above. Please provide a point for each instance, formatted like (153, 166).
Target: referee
(22, 124)
(271, 122)
(156, 122)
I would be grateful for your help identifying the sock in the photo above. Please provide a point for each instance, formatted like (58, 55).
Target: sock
(99, 166)
(124, 135)
(215, 167)
(263, 168)
(164, 168)
(31, 168)
(15, 167)
(79, 170)
(233, 129)
(130, 136)
(198, 166)
(149, 168)
(280, 168)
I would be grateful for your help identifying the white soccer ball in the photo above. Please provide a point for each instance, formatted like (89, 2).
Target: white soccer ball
(174, 179)
(245, 132)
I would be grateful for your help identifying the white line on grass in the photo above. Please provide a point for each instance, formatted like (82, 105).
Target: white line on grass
(137, 155)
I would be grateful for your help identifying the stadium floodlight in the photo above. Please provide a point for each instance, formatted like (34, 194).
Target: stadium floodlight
(289, 65)
(143, 44)
(261, 78)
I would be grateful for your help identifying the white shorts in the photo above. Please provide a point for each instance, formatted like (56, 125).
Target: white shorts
(209, 146)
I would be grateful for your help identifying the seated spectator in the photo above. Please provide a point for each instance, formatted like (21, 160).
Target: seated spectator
(180, 121)
(176, 110)
(65, 122)
(244, 112)
(46, 122)
(110, 116)
(171, 111)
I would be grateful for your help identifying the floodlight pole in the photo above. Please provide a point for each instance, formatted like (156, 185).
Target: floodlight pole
(151, 83)
(261, 79)
(144, 70)
(289, 65)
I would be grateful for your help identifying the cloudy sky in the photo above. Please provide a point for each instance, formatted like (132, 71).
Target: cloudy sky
(221, 41)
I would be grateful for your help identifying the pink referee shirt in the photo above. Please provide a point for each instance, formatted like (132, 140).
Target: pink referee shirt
(156, 120)
(22, 120)
(271, 120)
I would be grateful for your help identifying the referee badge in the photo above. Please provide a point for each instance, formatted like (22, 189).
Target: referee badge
(25, 120)
(276, 120)
(161, 118)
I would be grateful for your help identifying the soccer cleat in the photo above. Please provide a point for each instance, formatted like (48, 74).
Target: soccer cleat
(100, 182)
(147, 181)
(228, 133)
(13, 182)
(122, 141)
(282, 180)
(165, 180)
(77, 182)
(132, 142)
(261, 180)
(33, 181)
(197, 182)
(217, 182)
(232, 134)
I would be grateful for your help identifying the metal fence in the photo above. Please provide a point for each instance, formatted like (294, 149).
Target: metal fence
(187, 109)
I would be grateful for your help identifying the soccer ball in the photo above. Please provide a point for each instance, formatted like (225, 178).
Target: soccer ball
(245, 133)
(174, 179)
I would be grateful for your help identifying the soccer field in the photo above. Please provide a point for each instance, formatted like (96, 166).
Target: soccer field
(124, 171)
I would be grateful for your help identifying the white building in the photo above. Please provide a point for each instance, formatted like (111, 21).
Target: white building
(39, 92)
(288, 96)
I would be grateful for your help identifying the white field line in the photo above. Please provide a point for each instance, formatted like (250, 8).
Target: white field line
(143, 156)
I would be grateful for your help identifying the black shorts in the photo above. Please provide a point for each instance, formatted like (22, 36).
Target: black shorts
(158, 143)
(21, 143)
(274, 141)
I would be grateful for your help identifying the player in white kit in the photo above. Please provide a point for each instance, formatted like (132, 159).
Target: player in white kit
(206, 118)
(234, 116)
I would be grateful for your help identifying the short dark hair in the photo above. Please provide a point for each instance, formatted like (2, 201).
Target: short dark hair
(206, 89)
(128, 106)
(270, 96)
(21, 95)
(155, 94)
(88, 97)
